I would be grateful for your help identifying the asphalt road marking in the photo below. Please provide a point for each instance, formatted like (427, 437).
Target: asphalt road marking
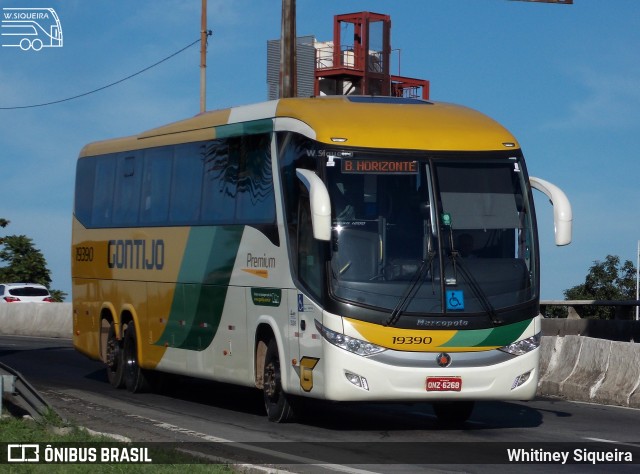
(611, 441)
(292, 458)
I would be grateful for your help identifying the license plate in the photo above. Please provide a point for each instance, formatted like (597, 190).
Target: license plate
(444, 384)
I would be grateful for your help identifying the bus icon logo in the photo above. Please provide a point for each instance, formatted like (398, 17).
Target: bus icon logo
(23, 453)
(30, 28)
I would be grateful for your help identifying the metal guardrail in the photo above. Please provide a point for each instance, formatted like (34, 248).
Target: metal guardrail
(15, 389)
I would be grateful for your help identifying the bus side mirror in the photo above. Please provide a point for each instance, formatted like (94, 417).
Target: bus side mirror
(562, 215)
(319, 202)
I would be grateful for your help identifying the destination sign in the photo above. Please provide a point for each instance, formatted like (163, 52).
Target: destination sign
(379, 166)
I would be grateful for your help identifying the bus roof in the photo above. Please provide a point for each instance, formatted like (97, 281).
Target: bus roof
(361, 121)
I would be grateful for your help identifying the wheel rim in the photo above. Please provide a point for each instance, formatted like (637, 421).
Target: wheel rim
(130, 357)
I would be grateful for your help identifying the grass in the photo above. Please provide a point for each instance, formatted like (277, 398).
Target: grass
(54, 430)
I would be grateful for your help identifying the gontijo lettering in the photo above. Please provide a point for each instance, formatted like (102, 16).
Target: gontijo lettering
(138, 254)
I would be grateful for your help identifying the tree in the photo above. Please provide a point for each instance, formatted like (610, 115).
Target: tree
(608, 280)
(25, 262)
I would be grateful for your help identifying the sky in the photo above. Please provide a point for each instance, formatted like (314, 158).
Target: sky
(564, 79)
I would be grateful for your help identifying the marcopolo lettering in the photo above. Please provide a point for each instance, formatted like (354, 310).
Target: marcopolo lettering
(137, 254)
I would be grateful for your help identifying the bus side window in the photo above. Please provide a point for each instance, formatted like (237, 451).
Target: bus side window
(186, 185)
(156, 183)
(127, 193)
(85, 187)
(255, 202)
(103, 191)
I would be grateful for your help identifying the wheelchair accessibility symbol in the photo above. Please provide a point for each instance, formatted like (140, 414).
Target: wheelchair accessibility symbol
(455, 300)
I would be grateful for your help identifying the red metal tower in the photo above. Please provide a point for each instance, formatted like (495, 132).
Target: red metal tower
(358, 61)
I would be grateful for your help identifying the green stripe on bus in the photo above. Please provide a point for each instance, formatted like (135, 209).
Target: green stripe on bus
(201, 289)
(498, 337)
(254, 127)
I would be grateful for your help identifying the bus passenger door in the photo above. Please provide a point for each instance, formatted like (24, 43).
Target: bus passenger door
(305, 342)
(293, 334)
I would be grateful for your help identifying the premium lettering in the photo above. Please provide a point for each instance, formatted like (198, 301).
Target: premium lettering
(260, 262)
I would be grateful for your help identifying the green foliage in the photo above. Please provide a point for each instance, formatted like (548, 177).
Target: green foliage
(554, 311)
(58, 295)
(26, 263)
(608, 280)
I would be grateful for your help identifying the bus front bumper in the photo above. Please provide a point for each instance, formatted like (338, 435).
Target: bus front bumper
(350, 377)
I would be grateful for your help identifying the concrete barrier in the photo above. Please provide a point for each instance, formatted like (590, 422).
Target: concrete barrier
(563, 360)
(589, 370)
(612, 330)
(548, 361)
(36, 319)
(622, 377)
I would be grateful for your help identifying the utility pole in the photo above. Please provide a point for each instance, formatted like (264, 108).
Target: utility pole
(203, 57)
(288, 65)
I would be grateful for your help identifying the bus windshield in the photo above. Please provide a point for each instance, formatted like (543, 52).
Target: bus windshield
(428, 234)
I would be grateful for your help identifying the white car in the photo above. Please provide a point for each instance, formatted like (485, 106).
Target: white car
(24, 293)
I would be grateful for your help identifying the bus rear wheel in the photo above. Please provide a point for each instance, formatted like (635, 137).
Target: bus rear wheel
(134, 376)
(276, 403)
(453, 413)
(114, 359)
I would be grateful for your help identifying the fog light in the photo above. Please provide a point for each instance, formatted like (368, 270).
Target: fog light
(357, 380)
(520, 379)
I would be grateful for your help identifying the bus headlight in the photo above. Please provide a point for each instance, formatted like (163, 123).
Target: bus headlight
(522, 347)
(351, 344)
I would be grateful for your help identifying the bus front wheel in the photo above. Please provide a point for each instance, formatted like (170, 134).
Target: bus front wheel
(134, 376)
(276, 403)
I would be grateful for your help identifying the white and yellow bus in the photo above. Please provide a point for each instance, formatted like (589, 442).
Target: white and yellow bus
(340, 248)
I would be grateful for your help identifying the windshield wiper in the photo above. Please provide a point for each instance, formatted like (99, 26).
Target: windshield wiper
(412, 287)
(407, 295)
(473, 284)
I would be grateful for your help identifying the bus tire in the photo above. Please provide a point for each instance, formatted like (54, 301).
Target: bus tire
(134, 376)
(453, 413)
(276, 403)
(114, 359)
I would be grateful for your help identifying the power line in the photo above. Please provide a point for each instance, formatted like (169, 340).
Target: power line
(103, 87)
